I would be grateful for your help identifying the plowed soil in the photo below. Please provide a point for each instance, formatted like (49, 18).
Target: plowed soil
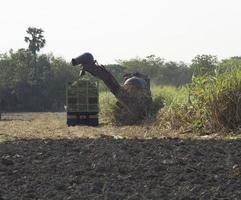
(42, 158)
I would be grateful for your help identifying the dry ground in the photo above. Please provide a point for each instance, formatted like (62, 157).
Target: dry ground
(42, 158)
(53, 125)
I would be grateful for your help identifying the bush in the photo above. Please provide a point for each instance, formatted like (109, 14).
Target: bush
(212, 103)
(226, 109)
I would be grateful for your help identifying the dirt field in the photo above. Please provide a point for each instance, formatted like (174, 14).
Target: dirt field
(42, 158)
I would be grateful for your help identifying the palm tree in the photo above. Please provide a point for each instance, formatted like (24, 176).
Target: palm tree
(36, 42)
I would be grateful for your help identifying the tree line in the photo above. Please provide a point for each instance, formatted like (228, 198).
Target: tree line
(30, 81)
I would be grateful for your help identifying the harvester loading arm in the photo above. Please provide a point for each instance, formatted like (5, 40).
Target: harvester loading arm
(99, 71)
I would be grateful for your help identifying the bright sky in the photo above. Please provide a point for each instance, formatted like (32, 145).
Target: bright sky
(123, 29)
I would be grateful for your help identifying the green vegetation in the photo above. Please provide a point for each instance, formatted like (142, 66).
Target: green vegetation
(164, 97)
(159, 71)
(20, 90)
(204, 64)
(211, 103)
(30, 81)
(204, 96)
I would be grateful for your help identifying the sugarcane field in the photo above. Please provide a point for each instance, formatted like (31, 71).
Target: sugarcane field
(120, 100)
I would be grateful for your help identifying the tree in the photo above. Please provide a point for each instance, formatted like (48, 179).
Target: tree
(228, 65)
(19, 92)
(204, 65)
(36, 39)
(159, 71)
(176, 74)
(36, 42)
(149, 66)
(117, 70)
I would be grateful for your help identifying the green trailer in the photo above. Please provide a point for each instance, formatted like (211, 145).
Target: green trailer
(82, 103)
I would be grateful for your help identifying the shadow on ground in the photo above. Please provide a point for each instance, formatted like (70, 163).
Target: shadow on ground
(108, 168)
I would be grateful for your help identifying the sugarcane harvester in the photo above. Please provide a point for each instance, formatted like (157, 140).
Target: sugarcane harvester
(134, 101)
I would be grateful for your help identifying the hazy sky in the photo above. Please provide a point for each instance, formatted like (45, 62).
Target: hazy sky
(123, 29)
